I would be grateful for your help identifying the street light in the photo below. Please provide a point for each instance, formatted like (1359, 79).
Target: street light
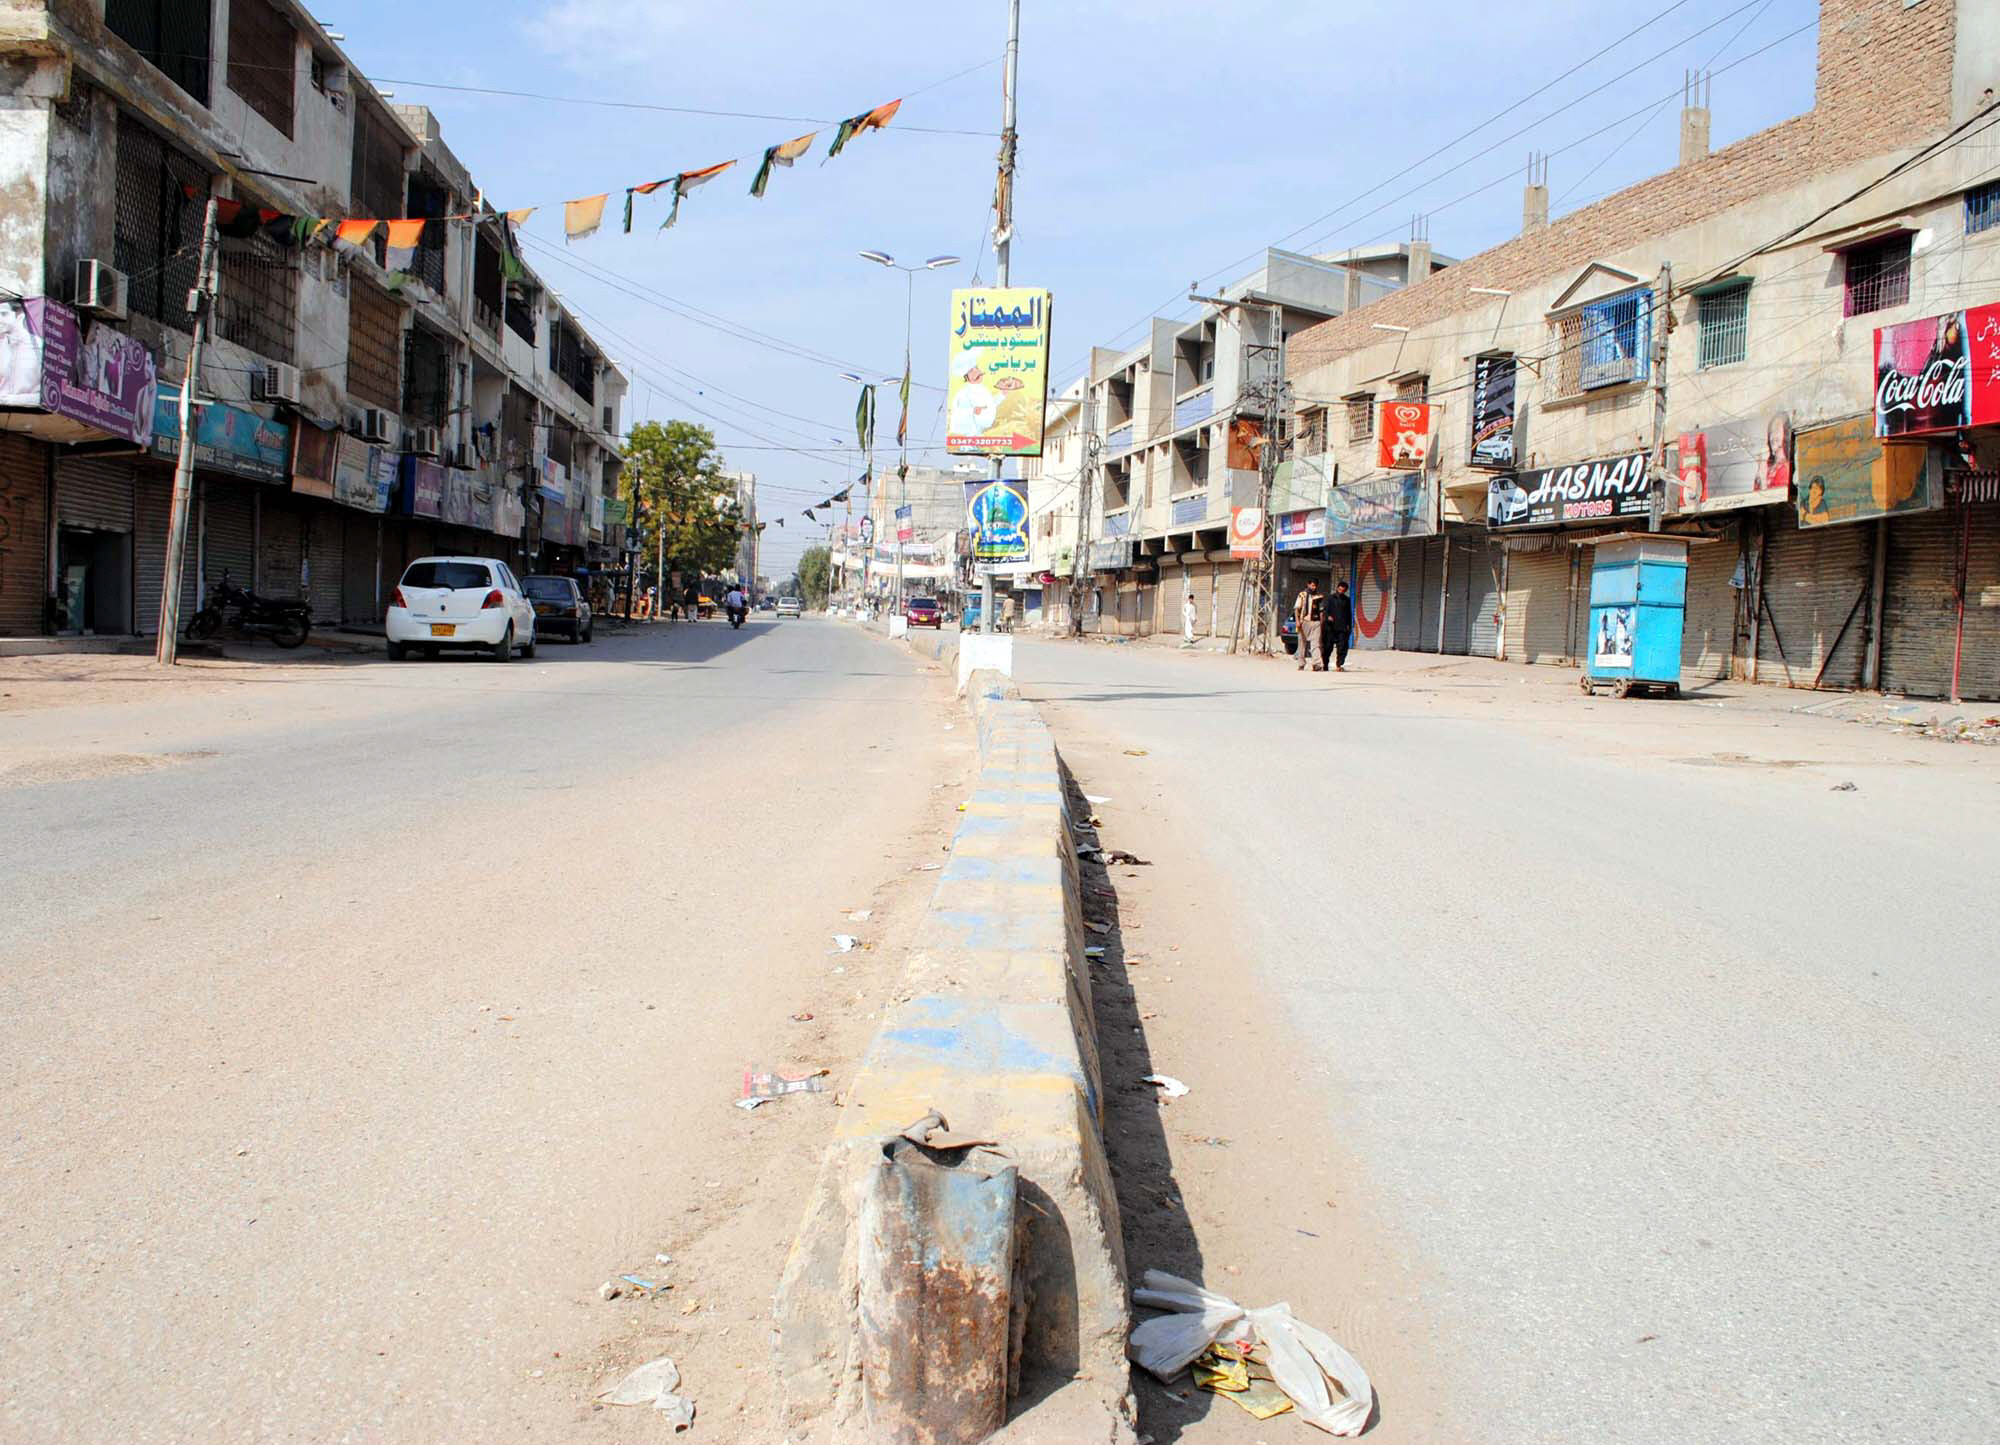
(934, 263)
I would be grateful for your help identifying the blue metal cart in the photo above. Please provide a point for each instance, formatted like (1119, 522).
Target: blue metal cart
(1638, 602)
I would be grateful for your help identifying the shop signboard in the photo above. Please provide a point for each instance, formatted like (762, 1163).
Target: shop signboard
(553, 478)
(363, 476)
(422, 493)
(1374, 509)
(1246, 532)
(1301, 531)
(996, 396)
(226, 438)
(1403, 436)
(997, 513)
(614, 513)
(1848, 474)
(1111, 554)
(315, 451)
(1493, 412)
(1740, 464)
(1604, 490)
(1940, 374)
(459, 503)
(88, 372)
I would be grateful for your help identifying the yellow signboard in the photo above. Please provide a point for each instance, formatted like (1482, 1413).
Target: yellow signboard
(998, 390)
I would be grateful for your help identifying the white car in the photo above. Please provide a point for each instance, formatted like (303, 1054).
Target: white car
(464, 603)
(790, 607)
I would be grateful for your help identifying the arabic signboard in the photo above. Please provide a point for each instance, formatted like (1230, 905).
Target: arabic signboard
(1375, 509)
(226, 438)
(997, 515)
(997, 392)
(1595, 491)
(363, 476)
(1493, 412)
(315, 449)
(1110, 555)
(88, 372)
(1847, 474)
(423, 488)
(1939, 374)
(1301, 531)
(1246, 532)
(1403, 436)
(1740, 464)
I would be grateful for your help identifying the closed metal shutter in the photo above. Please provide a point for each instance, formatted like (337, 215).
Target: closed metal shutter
(24, 535)
(1708, 628)
(153, 501)
(228, 532)
(1229, 622)
(94, 494)
(1149, 616)
(1419, 593)
(1812, 580)
(1979, 667)
(1582, 560)
(1538, 606)
(1201, 578)
(360, 553)
(281, 548)
(1374, 592)
(323, 551)
(1920, 603)
(1482, 623)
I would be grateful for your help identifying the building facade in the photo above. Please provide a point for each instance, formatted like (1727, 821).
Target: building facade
(357, 404)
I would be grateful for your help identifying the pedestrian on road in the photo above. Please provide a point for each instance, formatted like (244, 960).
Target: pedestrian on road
(1336, 628)
(1187, 615)
(691, 602)
(1305, 624)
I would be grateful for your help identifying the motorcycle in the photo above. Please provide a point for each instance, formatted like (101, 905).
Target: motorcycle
(736, 615)
(245, 612)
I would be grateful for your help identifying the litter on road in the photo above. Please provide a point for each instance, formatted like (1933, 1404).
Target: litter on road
(1135, 752)
(844, 942)
(760, 1086)
(1093, 799)
(861, 915)
(1095, 927)
(1844, 788)
(1170, 1086)
(927, 867)
(802, 1018)
(1119, 855)
(644, 1284)
(1095, 950)
(654, 1383)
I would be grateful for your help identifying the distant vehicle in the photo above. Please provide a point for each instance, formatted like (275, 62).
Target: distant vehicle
(560, 606)
(790, 607)
(968, 620)
(461, 603)
(923, 612)
(767, 604)
(704, 605)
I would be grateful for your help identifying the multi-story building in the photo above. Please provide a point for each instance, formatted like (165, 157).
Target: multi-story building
(358, 403)
(1181, 417)
(1054, 492)
(1776, 350)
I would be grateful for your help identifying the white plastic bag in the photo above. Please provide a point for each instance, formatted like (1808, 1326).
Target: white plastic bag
(1302, 1360)
(1164, 1344)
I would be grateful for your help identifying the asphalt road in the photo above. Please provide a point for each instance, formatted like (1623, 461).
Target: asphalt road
(357, 1021)
(1666, 1071)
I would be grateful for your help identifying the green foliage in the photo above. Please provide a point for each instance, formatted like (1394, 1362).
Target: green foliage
(815, 572)
(682, 493)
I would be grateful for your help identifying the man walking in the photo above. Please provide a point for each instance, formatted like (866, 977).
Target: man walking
(1305, 624)
(1338, 628)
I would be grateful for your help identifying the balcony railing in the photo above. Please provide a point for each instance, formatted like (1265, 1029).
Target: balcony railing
(1193, 408)
(1118, 439)
(1191, 508)
(1117, 524)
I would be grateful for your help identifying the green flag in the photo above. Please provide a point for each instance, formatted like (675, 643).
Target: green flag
(864, 419)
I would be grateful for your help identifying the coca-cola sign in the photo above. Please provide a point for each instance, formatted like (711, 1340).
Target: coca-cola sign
(1940, 374)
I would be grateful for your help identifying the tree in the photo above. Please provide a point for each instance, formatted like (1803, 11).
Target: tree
(815, 570)
(683, 495)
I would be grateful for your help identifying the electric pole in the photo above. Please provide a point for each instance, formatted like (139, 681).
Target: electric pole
(201, 303)
(1271, 396)
(1086, 470)
(1663, 323)
(1003, 240)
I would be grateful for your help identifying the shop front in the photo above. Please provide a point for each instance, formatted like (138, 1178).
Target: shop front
(364, 479)
(1377, 529)
(1539, 518)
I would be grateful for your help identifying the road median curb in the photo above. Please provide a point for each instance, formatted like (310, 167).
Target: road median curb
(991, 1028)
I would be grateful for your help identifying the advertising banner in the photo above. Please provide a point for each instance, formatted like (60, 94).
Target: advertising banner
(460, 504)
(1380, 508)
(1403, 436)
(613, 513)
(86, 371)
(1111, 555)
(997, 393)
(1246, 444)
(1493, 412)
(1847, 474)
(1939, 374)
(1741, 464)
(1246, 532)
(1595, 491)
(423, 488)
(554, 480)
(905, 525)
(226, 438)
(363, 476)
(1301, 531)
(997, 516)
(315, 450)
(867, 530)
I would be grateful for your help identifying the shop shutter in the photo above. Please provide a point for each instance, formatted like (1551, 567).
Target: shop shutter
(281, 547)
(1409, 623)
(1201, 578)
(24, 535)
(1538, 606)
(1230, 581)
(92, 493)
(1460, 557)
(1979, 666)
(1149, 616)
(229, 532)
(1708, 628)
(360, 553)
(1812, 579)
(1374, 593)
(1920, 603)
(1482, 592)
(152, 509)
(323, 538)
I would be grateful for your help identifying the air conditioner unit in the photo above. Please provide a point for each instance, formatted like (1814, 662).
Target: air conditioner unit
(459, 455)
(424, 441)
(375, 425)
(100, 289)
(275, 381)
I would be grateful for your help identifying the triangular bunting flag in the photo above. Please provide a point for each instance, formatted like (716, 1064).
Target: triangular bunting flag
(780, 155)
(582, 217)
(511, 266)
(404, 236)
(868, 120)
(687, 181)
(781, 521)
(520, 217)
(356, 233)
(841, 495)
(809, 514)
(645, 190)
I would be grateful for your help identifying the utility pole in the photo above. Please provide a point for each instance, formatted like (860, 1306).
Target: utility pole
(1663, 323)
(1003, 239)
(659, 570)
(200, 304)
(1271, 395)
(1086, 470)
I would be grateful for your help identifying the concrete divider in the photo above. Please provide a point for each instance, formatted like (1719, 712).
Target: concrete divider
(992, 1028)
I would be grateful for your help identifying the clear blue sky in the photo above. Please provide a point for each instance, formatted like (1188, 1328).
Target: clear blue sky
(1160, 143)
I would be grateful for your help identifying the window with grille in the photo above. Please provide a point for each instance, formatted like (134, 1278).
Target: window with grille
(426, 378)
(1982, 208)
(263, 60)
(377, 181)
(156, 223)
(1602, 344)
(428, 198)
(374, 347)
(172, 34)
(1413, 388)
(1312, 431)
(1360, 416)
(258, 304)
(1723, 319)
(488, 296)
(1878, 275)
(570, 361)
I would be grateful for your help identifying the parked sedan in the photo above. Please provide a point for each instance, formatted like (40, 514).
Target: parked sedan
(461, 603)
(790, 607)
(923, 612)
(560, 606)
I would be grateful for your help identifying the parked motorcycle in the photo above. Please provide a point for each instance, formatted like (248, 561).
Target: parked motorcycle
(244, 612)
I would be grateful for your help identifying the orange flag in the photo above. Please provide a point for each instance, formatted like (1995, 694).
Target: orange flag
(582, 217)
(404, 236)
(356, 233)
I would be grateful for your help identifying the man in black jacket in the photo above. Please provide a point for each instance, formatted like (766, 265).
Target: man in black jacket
(1336, 627)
